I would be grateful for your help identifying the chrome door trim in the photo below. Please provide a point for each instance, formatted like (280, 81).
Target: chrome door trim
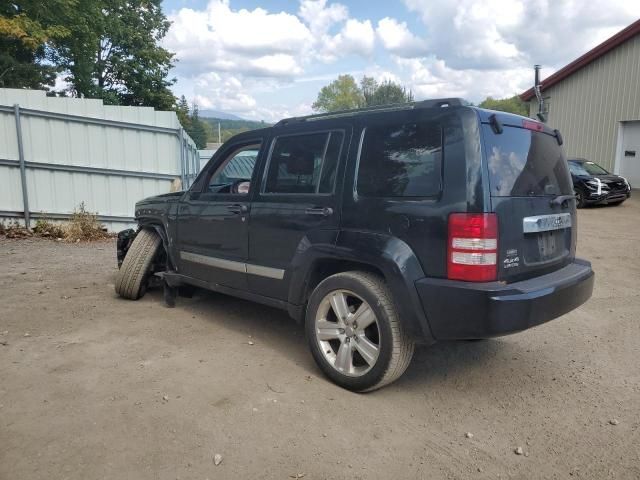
(268, 272)
(545, 223)
(214, 262)
(259, 270)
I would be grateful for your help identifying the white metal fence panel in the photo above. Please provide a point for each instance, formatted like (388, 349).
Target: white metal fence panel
(79, 150)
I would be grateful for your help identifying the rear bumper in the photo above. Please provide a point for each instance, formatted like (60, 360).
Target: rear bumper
(464, 310)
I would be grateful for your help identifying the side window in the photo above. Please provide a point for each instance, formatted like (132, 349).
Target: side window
(304, 163)
(234, 175)
(401, 160)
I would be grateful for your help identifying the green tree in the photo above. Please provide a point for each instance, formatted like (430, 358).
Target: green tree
(113, 53)
(344, 93)
(385, 93)
(341, 94)
(512, 105)
(197, 130)
(368, 87)
(26, 27)
(182, 111)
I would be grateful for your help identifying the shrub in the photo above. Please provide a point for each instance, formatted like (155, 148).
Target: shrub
(14, 230)
(84, 225)
(46, 228)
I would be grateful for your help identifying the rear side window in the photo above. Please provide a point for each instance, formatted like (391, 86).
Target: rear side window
(524, 163)
(401, 160)
(304, 163)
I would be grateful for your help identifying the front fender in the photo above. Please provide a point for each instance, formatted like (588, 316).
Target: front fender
(156, 217)
(388, 254)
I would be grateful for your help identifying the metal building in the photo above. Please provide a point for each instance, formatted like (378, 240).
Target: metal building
(58, 152)
(595, 103)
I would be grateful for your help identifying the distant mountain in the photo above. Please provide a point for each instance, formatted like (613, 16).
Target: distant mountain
(218, 114)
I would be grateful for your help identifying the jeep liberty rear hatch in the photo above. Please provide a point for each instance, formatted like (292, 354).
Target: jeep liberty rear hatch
(532, 194)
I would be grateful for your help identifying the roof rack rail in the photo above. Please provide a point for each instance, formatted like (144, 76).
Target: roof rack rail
(432, 103)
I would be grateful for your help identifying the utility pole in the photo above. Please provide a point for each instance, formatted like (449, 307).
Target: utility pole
(219, 137)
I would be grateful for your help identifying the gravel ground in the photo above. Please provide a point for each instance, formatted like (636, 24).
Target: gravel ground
(92, 386)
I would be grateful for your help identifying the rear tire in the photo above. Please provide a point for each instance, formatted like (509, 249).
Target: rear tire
(377, 351)
(132, 278)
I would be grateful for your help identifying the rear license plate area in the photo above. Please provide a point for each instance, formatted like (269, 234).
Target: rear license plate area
(548, 244)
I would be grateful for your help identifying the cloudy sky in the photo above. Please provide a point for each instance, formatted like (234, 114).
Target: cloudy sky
(268, 59)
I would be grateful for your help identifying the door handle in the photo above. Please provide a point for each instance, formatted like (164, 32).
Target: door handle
(237, 208)
(321, 211)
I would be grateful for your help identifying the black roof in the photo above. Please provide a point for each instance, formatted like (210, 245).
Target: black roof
(433, 103)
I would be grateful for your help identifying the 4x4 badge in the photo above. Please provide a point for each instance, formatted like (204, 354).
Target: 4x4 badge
(512, 260)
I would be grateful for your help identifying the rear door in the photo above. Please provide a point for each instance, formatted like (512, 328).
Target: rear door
(297, 205)
(530, 191)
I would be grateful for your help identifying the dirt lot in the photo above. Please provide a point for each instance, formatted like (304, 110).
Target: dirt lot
(92, 386)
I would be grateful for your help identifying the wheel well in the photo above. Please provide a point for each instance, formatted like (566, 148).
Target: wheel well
(327, 267)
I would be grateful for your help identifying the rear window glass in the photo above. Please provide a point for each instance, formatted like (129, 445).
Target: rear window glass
(401, 160)
(523, 163)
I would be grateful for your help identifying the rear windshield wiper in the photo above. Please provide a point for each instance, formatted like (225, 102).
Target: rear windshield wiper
(561, 199)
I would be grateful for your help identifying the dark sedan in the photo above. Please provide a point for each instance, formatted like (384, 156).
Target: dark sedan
(593, 184)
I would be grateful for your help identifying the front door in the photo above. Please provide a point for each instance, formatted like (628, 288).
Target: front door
(213, 218)
(297, 205)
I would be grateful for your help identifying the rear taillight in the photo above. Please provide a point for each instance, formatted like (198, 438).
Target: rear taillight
(473, 247)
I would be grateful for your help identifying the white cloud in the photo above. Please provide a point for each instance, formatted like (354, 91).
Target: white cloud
(278, 65)
(320, 17)
(398, 40)
(224, 54)
(355, 38)
(222, 92)
(493, 34)
(432, 78)
(467, 33)
(221, 39)
(472, 48)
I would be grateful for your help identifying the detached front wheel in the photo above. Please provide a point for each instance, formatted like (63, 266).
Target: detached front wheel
(354, 332)
(132, 278)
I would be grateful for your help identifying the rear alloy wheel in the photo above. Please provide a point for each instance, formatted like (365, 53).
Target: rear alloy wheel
(579, 198)
(354, 333)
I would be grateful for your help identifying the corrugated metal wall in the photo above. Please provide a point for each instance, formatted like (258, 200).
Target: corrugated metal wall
(79, 150)
(588, 106)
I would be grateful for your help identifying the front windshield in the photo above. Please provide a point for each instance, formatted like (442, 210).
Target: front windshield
(586, 168)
